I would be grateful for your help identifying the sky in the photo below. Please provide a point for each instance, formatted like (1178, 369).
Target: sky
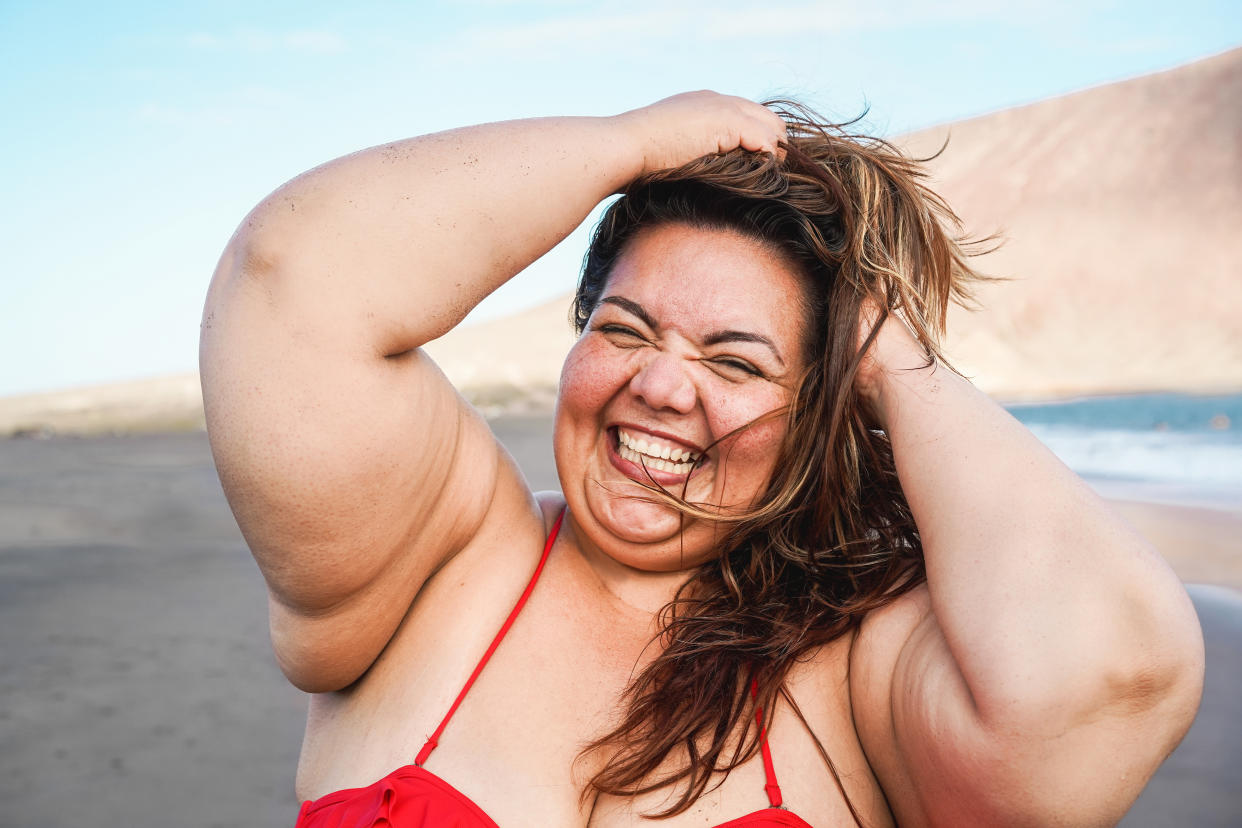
(136, 136)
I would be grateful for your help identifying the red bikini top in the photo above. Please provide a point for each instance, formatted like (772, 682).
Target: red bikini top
(414, 797)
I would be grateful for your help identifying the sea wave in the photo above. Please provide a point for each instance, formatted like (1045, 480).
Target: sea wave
(1161, 447)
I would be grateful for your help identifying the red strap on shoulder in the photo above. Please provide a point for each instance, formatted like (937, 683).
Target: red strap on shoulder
(769, 770)
(521, 602)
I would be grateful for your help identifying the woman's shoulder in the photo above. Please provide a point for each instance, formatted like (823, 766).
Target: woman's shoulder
(891, 625)
(551, 504)
(865, 655)
(882, 636)
(875, 652)
(506, 542)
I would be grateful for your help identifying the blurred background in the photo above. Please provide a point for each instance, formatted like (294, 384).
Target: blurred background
(1102, 140)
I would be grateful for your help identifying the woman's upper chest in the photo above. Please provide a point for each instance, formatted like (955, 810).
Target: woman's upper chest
(554, 683)
(816, 762)
(511, 744)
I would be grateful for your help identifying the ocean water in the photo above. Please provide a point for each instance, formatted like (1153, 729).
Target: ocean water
(1165, 448)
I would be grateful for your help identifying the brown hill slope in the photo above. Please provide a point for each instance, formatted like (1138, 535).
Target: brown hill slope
(1122, 212)
(511, 364)
(172, 403)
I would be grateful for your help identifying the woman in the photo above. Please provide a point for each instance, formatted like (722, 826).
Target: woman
(797, 563)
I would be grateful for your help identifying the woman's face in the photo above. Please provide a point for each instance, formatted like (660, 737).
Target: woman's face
(699, 332)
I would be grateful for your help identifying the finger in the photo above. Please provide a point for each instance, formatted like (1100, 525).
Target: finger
(775, 129)
(764, 138)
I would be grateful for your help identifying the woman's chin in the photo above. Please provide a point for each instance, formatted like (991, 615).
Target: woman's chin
(632, 517)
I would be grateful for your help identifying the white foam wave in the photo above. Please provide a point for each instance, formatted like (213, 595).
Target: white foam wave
(1207, 465)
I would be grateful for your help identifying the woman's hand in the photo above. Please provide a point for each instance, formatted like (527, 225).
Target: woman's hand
(677, 130)
(894, 352)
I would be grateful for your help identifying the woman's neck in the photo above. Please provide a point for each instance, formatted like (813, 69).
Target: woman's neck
(640, 592)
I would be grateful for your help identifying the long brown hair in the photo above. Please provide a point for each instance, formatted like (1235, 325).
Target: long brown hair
(832, 537)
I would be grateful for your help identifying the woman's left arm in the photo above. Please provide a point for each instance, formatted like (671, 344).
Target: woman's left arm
(1053, 659)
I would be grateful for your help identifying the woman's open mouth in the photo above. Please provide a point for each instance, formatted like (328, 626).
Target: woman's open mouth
(654, 454)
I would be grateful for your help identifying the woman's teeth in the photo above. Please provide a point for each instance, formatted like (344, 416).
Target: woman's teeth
(655, 454)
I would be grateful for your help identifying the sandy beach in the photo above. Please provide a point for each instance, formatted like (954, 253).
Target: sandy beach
(137, 687)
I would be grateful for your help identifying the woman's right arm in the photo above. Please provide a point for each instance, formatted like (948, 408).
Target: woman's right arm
(352, 466)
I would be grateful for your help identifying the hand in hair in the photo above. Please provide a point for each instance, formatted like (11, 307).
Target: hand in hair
(890, 348)
(679, 129)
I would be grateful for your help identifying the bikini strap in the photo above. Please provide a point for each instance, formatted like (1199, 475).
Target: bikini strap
(435, 737)
(769, 770)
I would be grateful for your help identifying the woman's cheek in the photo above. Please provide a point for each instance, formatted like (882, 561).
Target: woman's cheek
(753, 451)
(588, 380)
(731, 409)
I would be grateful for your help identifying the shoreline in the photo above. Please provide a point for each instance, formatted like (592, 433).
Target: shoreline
(174, 403)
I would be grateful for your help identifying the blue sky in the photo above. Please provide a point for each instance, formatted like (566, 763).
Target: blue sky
(136, 136)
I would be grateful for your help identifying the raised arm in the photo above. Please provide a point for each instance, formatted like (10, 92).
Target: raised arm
(1053, 660)
(353, 468)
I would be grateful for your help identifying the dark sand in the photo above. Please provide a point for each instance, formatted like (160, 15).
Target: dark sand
(137, 687)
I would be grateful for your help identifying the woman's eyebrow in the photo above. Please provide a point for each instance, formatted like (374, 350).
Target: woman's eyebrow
(744, 336)
(632, 307)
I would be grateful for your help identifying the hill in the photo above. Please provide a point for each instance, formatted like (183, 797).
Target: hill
(1121, 207)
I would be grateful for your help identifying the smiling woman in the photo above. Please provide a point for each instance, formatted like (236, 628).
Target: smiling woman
(687, 352)
(790, 538)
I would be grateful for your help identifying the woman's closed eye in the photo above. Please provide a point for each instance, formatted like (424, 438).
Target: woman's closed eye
(730, 367)
(735, 366)
(613, 330)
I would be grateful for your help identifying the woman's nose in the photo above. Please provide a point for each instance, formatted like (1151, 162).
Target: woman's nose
(662, 383)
